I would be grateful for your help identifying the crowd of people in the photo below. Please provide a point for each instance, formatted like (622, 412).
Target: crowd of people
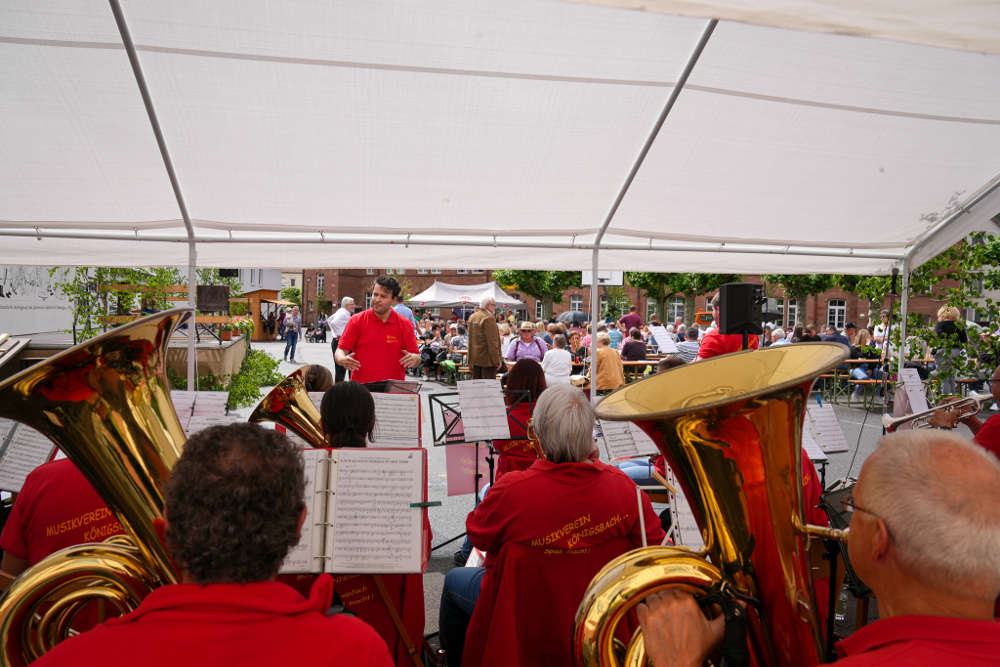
(925, 522)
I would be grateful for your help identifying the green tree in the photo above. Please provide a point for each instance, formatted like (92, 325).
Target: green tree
(799, 286)
(293, 294)
(545, 285)
(663, 286)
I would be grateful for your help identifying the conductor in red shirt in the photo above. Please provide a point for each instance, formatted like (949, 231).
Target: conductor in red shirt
(378, 344)
(234, 506)
(925, 532)
(714, 343)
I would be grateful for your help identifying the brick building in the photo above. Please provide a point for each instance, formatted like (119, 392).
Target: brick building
(323, 289)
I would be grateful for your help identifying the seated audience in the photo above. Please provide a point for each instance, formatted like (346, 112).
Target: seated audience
(688, 348)
(234, 506)
(540, 553)
(925, 532)
(610, 373)
(778, 338)
(558, 362)
(526, 346)
(578, 351)
(633, 349)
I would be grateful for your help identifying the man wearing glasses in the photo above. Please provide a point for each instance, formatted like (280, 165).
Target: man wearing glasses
(925, 534)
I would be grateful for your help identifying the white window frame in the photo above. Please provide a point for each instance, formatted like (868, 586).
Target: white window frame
(395, 272)
(793, 311)
(370, 272)
(837, 308)
(368, 300)
(462, 272)
(650, 308)
(538, 309)
(422, 272)
(320, 284)
(477, 270)
(435, 272)
(576, 302)
(675, 309)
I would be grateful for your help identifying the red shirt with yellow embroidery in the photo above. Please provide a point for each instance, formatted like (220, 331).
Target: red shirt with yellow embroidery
(56, 508)
(378, 345)
(546, 532)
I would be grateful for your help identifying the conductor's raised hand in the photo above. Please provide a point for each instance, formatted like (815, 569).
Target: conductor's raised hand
(675, 631)
(409, 360)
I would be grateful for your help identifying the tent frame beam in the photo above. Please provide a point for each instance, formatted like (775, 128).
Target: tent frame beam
(623, 190)
(175, 184)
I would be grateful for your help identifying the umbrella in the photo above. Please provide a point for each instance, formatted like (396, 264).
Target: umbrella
(572, 317)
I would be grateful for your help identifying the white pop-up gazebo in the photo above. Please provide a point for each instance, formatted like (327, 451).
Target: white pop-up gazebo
(666, 135)
(450, 295)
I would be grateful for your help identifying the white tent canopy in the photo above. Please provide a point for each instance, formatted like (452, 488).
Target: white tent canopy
(449, 295)
(463, 132)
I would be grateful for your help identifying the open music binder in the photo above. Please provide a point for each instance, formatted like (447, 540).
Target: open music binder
(364, 512)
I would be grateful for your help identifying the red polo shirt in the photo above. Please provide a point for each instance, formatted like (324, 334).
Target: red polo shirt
(378, 345)
(922, 640)
(57, 508)
(714, 344)
(262, 623)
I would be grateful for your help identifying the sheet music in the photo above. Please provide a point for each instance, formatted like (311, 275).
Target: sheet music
(618, 440)
(914, 390)
(685, 528)
(307, 555)
(371, 526)
(665, 342)
(484, 414)
(397, 420)
(810, 445)
(643, 443)
(824, 428)
(25, 449)
(199, 422)
(317, 399)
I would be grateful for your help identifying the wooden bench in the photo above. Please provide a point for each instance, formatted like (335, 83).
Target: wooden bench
(868, 391)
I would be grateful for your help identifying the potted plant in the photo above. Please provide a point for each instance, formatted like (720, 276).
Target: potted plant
(226, 331)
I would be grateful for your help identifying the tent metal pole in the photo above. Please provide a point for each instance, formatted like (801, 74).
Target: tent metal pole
(904, 301)
(674, 94)
(168, 163)
(941, 225)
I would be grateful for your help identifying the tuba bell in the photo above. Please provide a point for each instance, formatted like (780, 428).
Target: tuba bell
(106, 404)
(730, 428)
(289, 404)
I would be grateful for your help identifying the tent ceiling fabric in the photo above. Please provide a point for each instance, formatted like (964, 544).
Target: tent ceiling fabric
(462, 123)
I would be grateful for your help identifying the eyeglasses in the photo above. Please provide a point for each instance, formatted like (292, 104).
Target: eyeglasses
(849, 506)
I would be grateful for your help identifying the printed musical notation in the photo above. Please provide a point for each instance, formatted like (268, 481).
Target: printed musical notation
(361, 518)
(484, 414)
(626, 440)
(914, 388)
(664, 341)
(22, 450)
(823, 427)
(397, 420)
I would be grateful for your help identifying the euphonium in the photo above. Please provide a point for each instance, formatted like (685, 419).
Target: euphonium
(730, 429)
(289, 404)
(106, 404)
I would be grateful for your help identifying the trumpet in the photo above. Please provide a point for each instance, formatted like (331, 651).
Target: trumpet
(966, 407)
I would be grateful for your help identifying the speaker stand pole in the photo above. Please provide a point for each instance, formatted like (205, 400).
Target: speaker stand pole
(746, 341)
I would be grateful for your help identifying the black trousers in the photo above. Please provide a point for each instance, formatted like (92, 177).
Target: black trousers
(339, 372)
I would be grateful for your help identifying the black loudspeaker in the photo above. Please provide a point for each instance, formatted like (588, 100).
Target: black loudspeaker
(213, 299)
(740, 307)
(229, 273)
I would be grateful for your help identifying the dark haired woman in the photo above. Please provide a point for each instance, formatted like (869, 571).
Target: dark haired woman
(526, 381)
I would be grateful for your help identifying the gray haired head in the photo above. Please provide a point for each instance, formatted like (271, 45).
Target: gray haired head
(563, 420)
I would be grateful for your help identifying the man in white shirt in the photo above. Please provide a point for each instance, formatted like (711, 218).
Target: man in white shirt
(337, 322)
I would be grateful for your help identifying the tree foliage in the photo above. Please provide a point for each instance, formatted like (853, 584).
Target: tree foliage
(545, 285)
(293, 294)
(663, 286)
(797, 286)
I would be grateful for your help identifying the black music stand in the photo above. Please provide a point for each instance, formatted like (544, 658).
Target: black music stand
(450, 431)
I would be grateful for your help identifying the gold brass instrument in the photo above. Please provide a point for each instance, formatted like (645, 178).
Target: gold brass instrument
(966, 407)
(106, 404)
(289, 404)
(730, 429)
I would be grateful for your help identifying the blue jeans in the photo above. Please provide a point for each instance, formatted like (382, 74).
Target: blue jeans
(291, 338)
(458, 599)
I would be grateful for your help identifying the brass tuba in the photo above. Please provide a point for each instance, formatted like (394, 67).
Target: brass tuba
(289, 404)
(106, 404)
(730, 428)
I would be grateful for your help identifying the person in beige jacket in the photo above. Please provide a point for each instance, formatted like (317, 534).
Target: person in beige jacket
(484, 341)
